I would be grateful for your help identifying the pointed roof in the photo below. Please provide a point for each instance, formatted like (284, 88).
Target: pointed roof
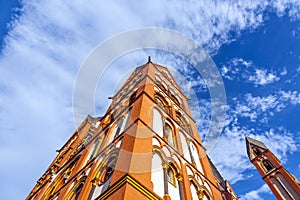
(251, 141)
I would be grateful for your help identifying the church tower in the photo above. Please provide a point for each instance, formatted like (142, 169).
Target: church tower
(281, 182)
(146, 146)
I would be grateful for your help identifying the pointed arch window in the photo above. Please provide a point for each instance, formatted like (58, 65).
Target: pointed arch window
(267, 165)
(97, 146)
(185, 147)
(159, 100)
(195, 156)
(75, 191)
(121, 124)
(170, 185)
(132, 97)
(157, 174)
(158, 125)
(169, 136)
(198, 193)
(194, 192)
(107, 171)
(171, 176)
(256, 151)
(60, 180)
(103, 177)
(175, 99)
(173, 186)
(183, 123)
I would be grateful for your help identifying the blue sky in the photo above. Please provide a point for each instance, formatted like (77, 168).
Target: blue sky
(255, 45)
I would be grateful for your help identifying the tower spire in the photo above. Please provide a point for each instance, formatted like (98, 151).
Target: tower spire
(281, 182)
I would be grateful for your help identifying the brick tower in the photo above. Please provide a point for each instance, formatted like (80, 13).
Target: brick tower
(146, 146)
(281, 182)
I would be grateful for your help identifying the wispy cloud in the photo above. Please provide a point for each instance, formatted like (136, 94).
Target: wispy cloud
(246, 70)
(253, 107)
(256, 194)
(262, 77)
(49, 41)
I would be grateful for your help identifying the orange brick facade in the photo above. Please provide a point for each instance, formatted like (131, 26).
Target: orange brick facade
(146, 146)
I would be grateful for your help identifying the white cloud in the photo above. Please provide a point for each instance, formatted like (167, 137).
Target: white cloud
(256, 194)
(238, 68)
(262, 77)
(253, 107)
(47, 44)
(284, 72)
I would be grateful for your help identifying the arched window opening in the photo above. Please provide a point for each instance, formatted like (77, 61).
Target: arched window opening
(203, 194)
(185, 147)
(120, 126)
(256, 151)
(195, 156)
(132, 98)
(175, 99)
(168, 135)
(179, 118)
(157, 174)
(59, 181)
(161, 102)
(157, 123)
(183, 123)
(108, 170)
(103, 177)
(267, 165)
(173, 186)
(97, 146)
(194, 192)
(75, 191)
(161, 86)
(171, 176)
